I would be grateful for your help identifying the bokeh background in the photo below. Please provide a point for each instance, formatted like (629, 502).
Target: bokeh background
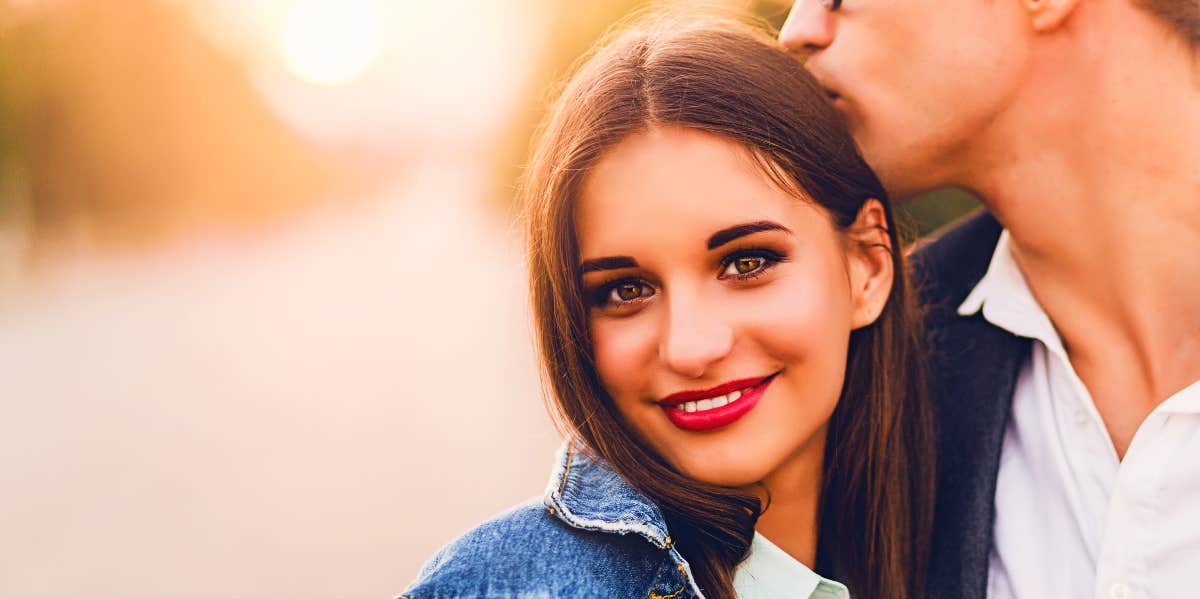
(263, 326)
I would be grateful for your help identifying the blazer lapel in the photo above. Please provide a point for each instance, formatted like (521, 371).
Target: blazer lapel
(974, 382)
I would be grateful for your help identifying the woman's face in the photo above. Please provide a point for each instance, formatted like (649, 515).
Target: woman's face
(720, 306)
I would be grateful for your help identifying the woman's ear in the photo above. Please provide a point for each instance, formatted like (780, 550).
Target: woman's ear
(1048, 15)
(869, 263)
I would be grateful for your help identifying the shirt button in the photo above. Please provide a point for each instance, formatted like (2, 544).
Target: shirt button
(1119, 591)
(1081, 417)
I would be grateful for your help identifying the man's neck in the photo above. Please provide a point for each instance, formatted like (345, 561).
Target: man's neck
(1100, 192)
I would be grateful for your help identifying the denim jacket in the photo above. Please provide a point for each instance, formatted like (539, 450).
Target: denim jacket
(591, 535)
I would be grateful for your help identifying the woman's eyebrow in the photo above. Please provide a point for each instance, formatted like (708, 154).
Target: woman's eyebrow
(728, 234)
(609, 263)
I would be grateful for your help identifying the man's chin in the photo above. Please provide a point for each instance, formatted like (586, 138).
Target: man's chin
(898, 176)
(847, 112)
(900, 184)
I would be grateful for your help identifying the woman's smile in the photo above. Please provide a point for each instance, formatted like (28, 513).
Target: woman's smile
(720, 406)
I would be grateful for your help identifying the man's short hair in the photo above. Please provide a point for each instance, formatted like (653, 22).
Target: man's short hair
(1182, 15)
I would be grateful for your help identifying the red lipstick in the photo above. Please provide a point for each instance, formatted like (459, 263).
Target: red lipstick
(710, 409)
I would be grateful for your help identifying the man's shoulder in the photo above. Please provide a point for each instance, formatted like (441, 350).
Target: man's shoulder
(528, 551)
(949, 263)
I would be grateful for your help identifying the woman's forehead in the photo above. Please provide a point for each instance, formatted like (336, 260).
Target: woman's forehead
(678, 183)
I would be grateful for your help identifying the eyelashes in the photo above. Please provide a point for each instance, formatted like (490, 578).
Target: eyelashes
(740, 265)
(749, 263)
(621, 292)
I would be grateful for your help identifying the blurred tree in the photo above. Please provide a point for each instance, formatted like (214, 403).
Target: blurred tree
(934, 209)
(572, 27)
(130, 129)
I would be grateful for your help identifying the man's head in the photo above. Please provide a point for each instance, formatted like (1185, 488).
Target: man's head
(926, 84)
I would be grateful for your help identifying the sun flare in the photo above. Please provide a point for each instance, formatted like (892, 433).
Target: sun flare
(330, 42)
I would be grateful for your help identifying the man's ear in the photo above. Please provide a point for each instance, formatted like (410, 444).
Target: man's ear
(869, 263)
(1048, 15)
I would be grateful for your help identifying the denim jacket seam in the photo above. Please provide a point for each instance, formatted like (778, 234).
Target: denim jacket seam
(673, 595)
(554, 501)
(656, 535)
(664, 581)
(652, 535)
(686, 570)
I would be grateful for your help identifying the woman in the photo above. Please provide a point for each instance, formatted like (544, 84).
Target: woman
(724, 318)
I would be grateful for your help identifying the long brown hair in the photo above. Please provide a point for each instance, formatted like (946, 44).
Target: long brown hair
(1183, 16)
(726, 76)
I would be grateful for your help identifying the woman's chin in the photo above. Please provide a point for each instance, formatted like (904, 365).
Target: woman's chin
(727, 474)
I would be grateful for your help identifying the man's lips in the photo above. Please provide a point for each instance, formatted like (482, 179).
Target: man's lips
(827, 83)
(675, 399)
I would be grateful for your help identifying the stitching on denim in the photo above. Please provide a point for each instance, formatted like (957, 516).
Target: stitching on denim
(621, 526)
(671, 596)
(684, 568)
(554, 500)
(567, 471)
(661, 579)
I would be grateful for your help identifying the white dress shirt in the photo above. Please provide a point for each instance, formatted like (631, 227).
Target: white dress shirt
(1072, 520)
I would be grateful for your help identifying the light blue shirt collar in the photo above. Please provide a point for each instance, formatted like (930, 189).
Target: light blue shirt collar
(769, 572)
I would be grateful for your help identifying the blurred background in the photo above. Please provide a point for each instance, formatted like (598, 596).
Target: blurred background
(263, 326)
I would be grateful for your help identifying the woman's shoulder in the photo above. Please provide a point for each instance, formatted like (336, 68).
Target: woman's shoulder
(527, 551)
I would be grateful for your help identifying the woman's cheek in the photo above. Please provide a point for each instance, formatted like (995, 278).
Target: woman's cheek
(803, 317)
(624, 351)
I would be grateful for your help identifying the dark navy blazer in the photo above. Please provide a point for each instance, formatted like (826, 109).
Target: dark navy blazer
(973, 369)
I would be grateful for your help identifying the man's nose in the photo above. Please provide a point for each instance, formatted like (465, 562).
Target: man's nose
(808, 29)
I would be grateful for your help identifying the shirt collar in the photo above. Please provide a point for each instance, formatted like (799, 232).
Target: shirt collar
(769, 571)
(1004, 298)
(1186, 401)
(586, 493)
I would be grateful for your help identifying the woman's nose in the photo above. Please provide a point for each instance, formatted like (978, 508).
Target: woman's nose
(695, 338)
(808, 29)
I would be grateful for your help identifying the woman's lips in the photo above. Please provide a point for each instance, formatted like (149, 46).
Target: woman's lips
(717, 407)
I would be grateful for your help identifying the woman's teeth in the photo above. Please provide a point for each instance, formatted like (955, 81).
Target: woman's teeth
(709, 404)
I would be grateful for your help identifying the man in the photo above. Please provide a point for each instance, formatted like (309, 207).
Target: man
(1065, 323)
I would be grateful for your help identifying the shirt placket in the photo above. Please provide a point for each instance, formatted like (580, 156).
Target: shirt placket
(1122, 571)
(1092, 461)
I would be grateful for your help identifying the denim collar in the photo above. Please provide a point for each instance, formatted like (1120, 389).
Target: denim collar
(586, 493)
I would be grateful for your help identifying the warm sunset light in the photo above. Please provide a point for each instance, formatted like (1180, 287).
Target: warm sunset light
(329, 42)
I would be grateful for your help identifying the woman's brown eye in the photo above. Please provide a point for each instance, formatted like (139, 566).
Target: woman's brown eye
(622, 294)
(748, 264)
(628, 292)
